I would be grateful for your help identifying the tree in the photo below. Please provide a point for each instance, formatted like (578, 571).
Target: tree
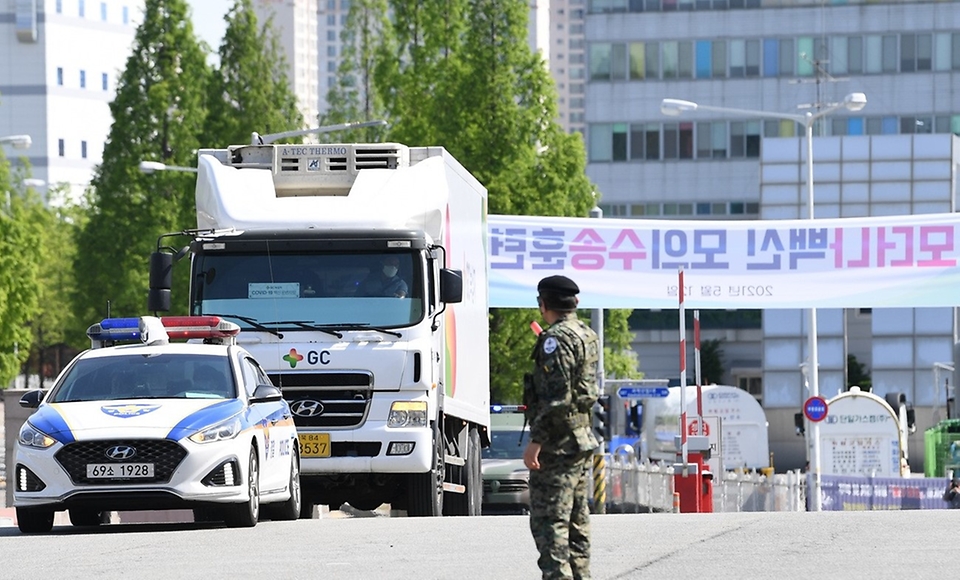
(857, 374)
(366, 34)
(158, 114)
(249, 90)
(54, 325)
(21, 244)
(460, 74)
(711, 361)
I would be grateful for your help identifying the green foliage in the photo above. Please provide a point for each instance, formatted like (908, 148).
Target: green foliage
(857, 374)
(460, 74)
(711, 361)
(249, 90)
(158, 114)
(21, 253)
(60, 221)
(354, 99)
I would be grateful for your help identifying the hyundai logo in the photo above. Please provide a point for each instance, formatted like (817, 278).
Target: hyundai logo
(307, 408)
(120, 452)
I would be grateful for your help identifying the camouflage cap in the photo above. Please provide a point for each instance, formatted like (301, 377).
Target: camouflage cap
(560, 285)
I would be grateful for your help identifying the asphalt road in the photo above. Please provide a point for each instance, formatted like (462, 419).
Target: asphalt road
(785, 546)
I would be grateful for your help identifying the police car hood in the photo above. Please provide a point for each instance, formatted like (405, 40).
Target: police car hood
(132, 418)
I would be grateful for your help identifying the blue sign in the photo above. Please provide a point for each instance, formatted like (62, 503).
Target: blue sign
(643, 392)
(815, 409)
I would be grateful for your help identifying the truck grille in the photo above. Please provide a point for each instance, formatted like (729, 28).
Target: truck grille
(165, 456)
(327, 400)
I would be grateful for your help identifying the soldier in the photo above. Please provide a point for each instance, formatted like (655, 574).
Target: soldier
(559, 395)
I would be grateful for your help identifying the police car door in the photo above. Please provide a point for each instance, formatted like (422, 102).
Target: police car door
(270, 420)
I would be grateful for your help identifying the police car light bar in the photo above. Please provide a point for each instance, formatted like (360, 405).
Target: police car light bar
(113, 330)
(508, 408)
(199, 327)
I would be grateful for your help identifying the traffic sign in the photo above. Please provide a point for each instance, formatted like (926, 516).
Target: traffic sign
(815, 409)
(643, 392)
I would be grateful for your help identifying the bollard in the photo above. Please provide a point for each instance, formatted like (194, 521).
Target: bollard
(599, 484)
(676, 502)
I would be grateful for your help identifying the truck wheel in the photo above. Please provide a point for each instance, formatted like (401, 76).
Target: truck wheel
(291, 509)
(245, 515)
(425, 490)
(34, 520)
(85, 518)
(474, 478)
(468, 502)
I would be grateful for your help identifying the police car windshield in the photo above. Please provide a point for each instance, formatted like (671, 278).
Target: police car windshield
(134, 376)
(506, 444)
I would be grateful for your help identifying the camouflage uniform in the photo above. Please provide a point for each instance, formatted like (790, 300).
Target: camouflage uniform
(559, 395)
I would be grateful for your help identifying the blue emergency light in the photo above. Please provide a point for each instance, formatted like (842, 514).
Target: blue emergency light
(508, 408)
(114, 330)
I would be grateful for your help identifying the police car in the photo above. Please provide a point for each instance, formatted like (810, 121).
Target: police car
(506, 480)
(158, 425)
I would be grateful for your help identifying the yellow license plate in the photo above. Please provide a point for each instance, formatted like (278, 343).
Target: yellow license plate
(314, 444)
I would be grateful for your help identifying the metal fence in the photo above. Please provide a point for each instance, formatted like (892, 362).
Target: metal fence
(634, 487)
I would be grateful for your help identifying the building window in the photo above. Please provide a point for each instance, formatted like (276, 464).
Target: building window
(712, 140)
(678, 140)
(126, 15)
(82, 9)
(25, 20)
(104, 81)
(59, 6)
(332, 50)
(60, 76)
(83, 149)
(103, 11)
(745, 139)
(60, 147)
(752, 385)
(83, 79)
(916, 52)
(600, 61)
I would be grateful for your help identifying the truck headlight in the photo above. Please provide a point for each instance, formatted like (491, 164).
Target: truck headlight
(219, 432)
(33, 437)
(408, 414)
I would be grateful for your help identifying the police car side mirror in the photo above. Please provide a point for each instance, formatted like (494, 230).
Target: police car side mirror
(266, 394)
(32, 399)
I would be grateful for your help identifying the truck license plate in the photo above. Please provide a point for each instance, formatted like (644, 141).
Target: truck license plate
(119, 470)
(314, 444)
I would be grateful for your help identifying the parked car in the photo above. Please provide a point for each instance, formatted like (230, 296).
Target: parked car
(506, 481)
(158, 425)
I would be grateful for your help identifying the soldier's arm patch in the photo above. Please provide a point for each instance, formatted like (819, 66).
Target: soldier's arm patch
(549, 345)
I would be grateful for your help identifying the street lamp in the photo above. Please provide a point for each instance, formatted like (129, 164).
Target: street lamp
(17, 141)
(852, 102)
(149, 167)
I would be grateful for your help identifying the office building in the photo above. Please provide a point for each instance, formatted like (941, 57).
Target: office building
(296, 23)
(778, 55)
(58, 76)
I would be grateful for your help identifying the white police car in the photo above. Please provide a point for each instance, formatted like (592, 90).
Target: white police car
(158, 425)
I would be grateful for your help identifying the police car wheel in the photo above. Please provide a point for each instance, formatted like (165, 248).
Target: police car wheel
(290, 509)
(85, 517)
(245, 515)
(34, 520)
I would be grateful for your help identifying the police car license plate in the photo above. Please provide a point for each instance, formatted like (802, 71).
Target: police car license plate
(119, 470)
(314, 444)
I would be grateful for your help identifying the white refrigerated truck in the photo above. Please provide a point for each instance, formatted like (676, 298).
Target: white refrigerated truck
(358, 275)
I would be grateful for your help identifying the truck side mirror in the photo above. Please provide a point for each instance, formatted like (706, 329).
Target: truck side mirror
(451, 286)
(161, 279)
(911, 420)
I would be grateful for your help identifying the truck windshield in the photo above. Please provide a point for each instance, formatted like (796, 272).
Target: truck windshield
(354, 289)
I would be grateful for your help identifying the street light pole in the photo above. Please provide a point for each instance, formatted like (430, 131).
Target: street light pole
(17, 141)
(852, 102)
(149, 167)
